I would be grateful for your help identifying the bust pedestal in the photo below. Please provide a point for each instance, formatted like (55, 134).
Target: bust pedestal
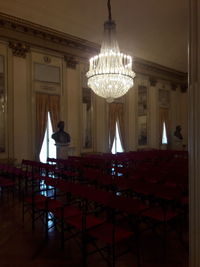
(62, 150)
(177, 143)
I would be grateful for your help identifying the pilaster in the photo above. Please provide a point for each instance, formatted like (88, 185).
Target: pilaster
(194, 131)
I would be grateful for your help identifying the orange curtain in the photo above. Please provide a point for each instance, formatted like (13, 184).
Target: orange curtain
(54, 108)
(116, 113)
(45, 103)
(41, 120)
(164, 117)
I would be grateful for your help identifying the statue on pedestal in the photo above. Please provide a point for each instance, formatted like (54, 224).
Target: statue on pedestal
(62, 140)
(178, 138)
(61, 137)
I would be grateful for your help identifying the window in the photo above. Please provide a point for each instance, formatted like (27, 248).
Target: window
(117, 145)
(48, 149)
(164, 135)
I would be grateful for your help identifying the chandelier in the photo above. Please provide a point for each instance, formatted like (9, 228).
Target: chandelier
(110, 73)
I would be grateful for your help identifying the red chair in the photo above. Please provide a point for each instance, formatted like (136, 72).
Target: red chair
(70, 212)
(111, 233)
(35, 197)
(91, 175)
(162, 221)
(7, 185)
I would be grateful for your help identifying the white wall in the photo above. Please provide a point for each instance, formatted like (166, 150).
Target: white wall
(21, 110)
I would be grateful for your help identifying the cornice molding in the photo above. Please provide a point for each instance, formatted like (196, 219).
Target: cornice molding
(159, 72)
(13, 28)
(20, 31)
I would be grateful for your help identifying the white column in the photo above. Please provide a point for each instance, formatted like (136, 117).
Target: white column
(21, 109)
(194, 131)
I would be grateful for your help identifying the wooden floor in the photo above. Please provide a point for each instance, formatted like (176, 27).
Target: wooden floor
(19, 247)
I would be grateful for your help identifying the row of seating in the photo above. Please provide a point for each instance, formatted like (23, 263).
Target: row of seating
(91, 214)
(165, 181)
(83, 199)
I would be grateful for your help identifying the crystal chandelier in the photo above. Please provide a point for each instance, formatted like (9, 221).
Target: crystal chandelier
(110, 73)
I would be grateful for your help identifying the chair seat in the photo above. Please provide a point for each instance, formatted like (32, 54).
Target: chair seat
(122, 184)
(160, 214)
(104, 233)
(6, 182)
(50, 205)
(144, 188)
(68, 211)
(128, 205)
(168, 193)
(69, 173)
(35, 199)
(184, 200)
(38, 177)
(91, 221)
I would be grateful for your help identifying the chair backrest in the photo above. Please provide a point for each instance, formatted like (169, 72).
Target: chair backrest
(49, 181)
(91, 174)
(96, 195)
(128, 205)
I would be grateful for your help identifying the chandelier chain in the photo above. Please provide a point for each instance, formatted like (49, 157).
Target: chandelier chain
(109, 10)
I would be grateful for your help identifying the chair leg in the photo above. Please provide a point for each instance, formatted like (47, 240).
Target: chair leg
(84, 250)
(113, 255)
(62, 235)
(33, 219)
(165, 242)
(138, 248)
(46, 225)
(23, 210)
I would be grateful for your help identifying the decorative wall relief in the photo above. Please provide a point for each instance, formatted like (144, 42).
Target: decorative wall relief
(142, 115)
(47, 73)
(47, 78)
(164, 98)
(19, 49)
(142, 100)
(2, 106)
(87, 117)
(142, 131)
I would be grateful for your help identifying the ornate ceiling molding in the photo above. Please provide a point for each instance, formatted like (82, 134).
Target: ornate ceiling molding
(47, 59)
(16, 29)
(153, 81)
(19, 49)
(159, 72)
(184, 88)
(71, 61)
(174, 86)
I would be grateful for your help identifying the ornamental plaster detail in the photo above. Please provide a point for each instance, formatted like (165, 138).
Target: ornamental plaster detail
(19, 49)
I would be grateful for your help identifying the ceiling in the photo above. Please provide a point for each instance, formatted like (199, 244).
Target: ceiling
(153, 30)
